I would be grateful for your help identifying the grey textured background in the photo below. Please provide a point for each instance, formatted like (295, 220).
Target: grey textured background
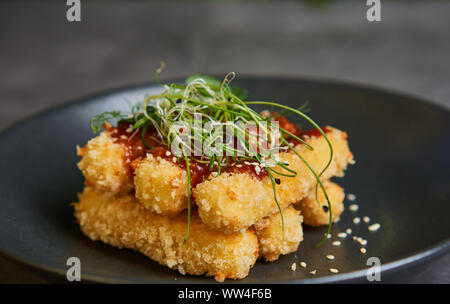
(46, 61)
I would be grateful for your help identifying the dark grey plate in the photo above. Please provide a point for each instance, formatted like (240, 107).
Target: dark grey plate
(401, 180)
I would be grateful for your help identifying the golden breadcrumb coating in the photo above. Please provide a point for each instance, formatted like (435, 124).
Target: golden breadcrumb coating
(102, 164)
(122, 222)
(273, 241)
(160, 185)
(313, 212)
(233, 202)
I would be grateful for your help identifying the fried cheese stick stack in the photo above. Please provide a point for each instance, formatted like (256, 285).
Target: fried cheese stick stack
(229, 202)
(122, 222)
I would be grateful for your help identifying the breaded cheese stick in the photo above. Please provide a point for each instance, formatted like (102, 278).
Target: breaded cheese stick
(315, 214)
(122, 222)
(233, 202)
(161, 185)
(102, 164)
(273, 241)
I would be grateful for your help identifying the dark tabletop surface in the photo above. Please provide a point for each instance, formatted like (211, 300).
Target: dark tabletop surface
(46, 61)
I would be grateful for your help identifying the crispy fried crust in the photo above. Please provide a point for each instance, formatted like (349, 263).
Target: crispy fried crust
(122, 222)
(273, 241)
(160, 185)
(313, 212)
(233, 202)
(102, 164)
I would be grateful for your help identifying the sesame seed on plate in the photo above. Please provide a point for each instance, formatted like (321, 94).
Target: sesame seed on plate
(366, 219)
(312, 272)
(363, 250)
(363, 242)
(336, 243)
(334, 270)
(293, 266)
(351, 197)
(356, 220)
(329, 236)
(374, 227)
(303, 264)
(348, 231)
(353, 207)
(342, 235)
(330, 257)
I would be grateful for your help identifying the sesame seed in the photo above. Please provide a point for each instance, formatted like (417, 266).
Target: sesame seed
(353, 207)
(334, 270)
(363, 242)
(168, 153)
(363, 250)
(294, 266)
(325, 208)
(239, 165)
(356, 220)
(351, 197)
(330, 257)
(257, 170)
(174, 159)
(366, 219)
(329, 236)
(348, 231)
(374, 227)
(312, 272)
(342, 235)
(336, 243)
(278, 181)
(303, 264)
